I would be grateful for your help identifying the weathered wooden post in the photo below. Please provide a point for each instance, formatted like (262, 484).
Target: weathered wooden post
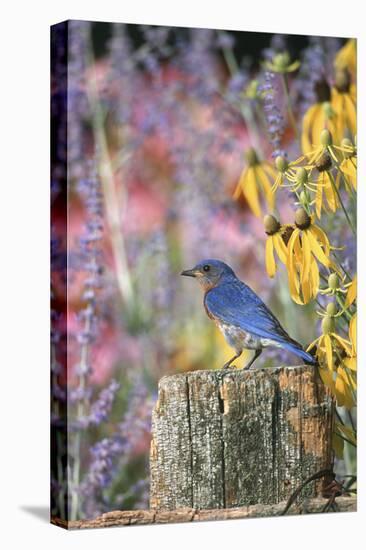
(223, 439)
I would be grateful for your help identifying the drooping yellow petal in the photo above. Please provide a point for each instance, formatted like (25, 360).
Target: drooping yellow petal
(353, 333)
(351, 117)
(278, 182)
(319, 123)
(314, 343)
(351, 293)
(306, 289)
(250, 191)
(327, 377)
(293, 281)
(270, 261)
(350, 363)
(306, 258)
(319, 195)
(266, 186)
(343, 343)
(328, 350)
(248, 186)
(316, 248)
(280, 247)
(307, 125)
(342, 390)
(330, 193)
(349, 168)
(315, 278)
(239, 188)
(346, 57)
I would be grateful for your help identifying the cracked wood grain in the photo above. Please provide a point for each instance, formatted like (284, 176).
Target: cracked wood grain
(223, 439)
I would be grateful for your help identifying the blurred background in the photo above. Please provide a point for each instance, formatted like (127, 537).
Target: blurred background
(149, 128)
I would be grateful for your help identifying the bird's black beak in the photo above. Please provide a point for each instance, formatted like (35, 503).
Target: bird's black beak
(189, 273)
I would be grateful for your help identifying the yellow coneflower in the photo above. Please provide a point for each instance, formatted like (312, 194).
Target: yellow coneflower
(344, 103)
(300, 180)
(307, 246)
(332, 371)
(324, 147)
(346, 57)
(319, 116)
(348, 166)
(256, 176)
(276, 238)
(286, 171)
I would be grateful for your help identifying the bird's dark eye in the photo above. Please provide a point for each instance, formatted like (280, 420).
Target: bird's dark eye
(206, 268)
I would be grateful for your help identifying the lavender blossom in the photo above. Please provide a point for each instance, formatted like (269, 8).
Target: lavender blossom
(199, 63)
(274, 118)
(102, 407)
(110, 455)
(78, 107)
(100, 474)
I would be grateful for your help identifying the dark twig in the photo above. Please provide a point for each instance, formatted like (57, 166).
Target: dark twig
(333, 490)
(314, 477)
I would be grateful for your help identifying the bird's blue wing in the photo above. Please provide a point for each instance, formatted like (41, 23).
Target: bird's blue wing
(236, 304)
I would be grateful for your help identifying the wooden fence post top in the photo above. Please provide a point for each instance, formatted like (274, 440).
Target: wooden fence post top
(225, 438)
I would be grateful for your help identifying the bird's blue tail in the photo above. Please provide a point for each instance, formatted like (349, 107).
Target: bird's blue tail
(297, 350)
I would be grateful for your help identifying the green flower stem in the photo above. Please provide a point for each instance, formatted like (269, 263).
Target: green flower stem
(336, 190)
(349, 414)
(111, 198)
(245, 112)
(289, 105)
(344, 311)
(345, 439)
(80, 412)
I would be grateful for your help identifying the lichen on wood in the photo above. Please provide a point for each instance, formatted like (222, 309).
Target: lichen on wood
(223, 439)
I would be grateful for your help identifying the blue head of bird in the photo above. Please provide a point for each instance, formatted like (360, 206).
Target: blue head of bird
(209, 273)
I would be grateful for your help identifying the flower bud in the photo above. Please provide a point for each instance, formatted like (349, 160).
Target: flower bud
(331, 309)
(281, 61)
(328, 324)
(302, 219)
(271, 225)
(333, 281)
(301, 176)
(251, 157)
(325, 138)
(281, 164)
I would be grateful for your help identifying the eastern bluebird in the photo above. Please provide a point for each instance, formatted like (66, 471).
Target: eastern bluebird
(245, 321)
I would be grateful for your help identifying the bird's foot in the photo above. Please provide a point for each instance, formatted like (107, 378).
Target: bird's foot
(228, 366)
